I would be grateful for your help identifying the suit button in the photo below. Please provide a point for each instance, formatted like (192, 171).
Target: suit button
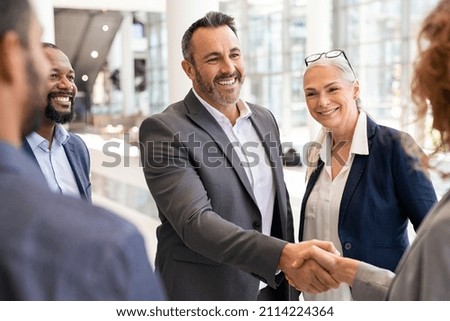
(256, 225)
(348, 246)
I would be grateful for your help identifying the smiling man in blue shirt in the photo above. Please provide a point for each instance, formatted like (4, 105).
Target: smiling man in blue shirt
(62, 156)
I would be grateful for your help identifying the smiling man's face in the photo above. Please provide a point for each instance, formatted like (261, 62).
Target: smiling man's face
(61, 87)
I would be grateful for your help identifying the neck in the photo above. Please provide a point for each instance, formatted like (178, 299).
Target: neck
(47, 130)
(346, 131)
(11, 121)
(342, 137)
(10, 135)
(231, 112)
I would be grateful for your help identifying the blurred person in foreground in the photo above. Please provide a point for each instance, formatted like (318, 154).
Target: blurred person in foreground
(53, 247)
(212, 163)
(62, 156)
(424, 270)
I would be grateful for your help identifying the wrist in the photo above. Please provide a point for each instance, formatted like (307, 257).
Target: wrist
(347, 269)
(285, 258)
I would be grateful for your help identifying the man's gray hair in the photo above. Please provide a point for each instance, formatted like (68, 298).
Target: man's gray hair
(212, 19)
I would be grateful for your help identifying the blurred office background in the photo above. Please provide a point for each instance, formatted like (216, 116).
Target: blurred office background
(127, 59)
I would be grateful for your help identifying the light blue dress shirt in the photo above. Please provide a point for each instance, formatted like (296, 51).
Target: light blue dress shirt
(54, 162)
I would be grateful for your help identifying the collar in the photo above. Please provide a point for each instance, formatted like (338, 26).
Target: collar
(324, 139)
(60, 137)
(360, 144)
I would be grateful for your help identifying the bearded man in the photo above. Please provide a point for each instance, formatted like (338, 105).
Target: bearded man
(62, 156)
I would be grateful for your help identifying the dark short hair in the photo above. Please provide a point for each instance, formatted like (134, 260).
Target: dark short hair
(212, 19)
(16, 16)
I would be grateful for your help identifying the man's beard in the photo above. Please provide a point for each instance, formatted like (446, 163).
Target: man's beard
(212, 91)
(58, 116)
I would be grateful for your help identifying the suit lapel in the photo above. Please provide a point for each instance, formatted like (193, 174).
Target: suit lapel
(199, 115)
(309, 186)
(272, 149)
(71, 154)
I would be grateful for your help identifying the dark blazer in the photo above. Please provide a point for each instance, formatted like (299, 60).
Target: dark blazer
(210, 245)
(78, 155)
(384, 189)
(54, 247)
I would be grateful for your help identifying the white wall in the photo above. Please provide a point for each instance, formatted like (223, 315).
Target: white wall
(44, 11)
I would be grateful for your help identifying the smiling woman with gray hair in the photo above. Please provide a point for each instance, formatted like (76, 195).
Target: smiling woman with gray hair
(362, 185)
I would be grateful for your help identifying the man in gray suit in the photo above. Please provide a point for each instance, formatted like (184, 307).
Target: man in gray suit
(212, 164)
(62, 156)
(53, 247)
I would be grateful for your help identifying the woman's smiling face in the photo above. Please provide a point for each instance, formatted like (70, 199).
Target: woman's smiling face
(330, 97)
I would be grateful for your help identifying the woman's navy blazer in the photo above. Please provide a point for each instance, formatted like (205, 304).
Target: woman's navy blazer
(384, 189)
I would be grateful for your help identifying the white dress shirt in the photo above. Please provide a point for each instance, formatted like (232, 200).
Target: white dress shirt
(53, 162)
(322, 207)
(253, 157)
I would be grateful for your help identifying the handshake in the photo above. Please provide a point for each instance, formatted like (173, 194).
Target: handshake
(316, 266)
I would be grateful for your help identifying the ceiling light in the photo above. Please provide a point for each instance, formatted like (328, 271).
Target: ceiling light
(105, 28)
(85, 78)
(94, 54)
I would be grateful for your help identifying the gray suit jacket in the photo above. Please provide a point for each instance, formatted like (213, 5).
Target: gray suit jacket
(210, 245)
